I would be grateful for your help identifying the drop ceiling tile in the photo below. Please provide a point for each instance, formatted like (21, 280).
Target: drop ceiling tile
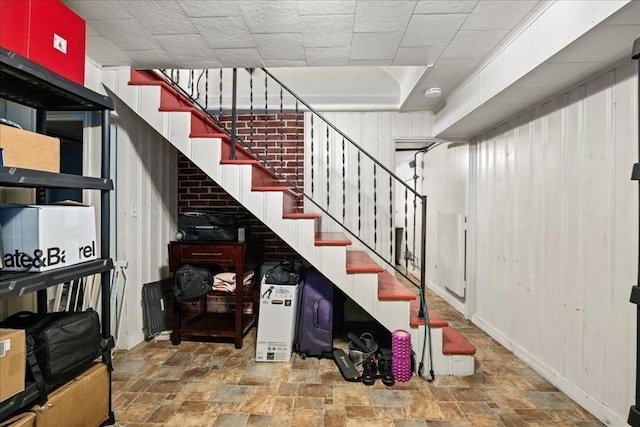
(91, 32)
(325, 56)
(151, 59)
(175, 45)
(105, 52)
(446, 6)
(98, 9)
(453, 68)
(327, 30)
(245, 58)
(228, 32)
(498, 15)
(473, 44)
(126, 34)
(370, 62)
(280, 63)
(378, 16)
(159, 16)
(432, 30)
(367, 46)
(201, 65)
(280, 46)
(270, 16)
(209, 8)
(417, 55)
(321, 7)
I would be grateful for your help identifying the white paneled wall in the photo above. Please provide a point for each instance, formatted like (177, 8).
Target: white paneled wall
(555, 246)
(146, 213)
(146, 206)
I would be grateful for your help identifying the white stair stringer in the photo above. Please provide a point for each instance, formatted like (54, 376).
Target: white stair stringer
(267, 206)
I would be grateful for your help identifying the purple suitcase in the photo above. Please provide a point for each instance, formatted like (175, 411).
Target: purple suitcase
(314, 332)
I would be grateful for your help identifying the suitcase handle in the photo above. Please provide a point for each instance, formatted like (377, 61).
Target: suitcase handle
(315, 314)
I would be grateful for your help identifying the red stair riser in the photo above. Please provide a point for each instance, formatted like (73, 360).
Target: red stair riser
(170, 100)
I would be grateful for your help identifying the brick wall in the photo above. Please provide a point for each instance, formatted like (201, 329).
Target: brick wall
(196, 190)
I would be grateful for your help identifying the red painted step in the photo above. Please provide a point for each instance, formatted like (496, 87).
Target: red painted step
(390, 289)
(301, 215)
(361, 262)
(455, 344)
(173, 100)
(331, 239)
(435, 321)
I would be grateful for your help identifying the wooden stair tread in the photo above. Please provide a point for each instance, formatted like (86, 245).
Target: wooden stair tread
(361, 262)
(282, 189)
(209, 135)
(146, 78)
(331, 239)
(301, 215)
(390, 289)
(455, 344)
(435, 321)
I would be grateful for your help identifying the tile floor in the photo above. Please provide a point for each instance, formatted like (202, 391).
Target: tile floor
(213, 384)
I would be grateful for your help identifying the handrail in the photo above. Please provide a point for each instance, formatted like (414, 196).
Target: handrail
(362, 150)
(415, 195)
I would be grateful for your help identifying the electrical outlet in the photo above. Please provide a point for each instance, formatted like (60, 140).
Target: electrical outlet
(59, 43)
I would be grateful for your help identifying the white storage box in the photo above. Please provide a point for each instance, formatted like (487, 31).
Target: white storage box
(45, 237)
(276, 322)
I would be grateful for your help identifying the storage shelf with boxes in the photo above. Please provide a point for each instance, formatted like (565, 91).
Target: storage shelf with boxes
(31, 84)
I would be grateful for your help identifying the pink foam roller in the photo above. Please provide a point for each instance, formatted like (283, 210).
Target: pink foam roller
(401, 351)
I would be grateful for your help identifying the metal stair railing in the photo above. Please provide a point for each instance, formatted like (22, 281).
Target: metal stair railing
(338, 167)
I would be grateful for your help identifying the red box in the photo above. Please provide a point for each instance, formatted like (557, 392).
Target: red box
(57, 39)
(14, 25)
(46, 32)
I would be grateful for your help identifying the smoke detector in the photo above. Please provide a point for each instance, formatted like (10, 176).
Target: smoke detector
(432, 92)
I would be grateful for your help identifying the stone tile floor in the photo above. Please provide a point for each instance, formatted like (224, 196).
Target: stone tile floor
(214, 384)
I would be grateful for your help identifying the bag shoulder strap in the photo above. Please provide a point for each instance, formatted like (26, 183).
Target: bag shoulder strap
(36, 372)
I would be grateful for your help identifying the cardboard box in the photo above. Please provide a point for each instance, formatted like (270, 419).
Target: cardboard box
(13, 361)
(276, 322)
(45, 237)
(26, 419)
(81, 402)
(29, 150)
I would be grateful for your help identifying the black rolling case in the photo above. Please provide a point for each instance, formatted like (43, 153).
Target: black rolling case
(314, 332)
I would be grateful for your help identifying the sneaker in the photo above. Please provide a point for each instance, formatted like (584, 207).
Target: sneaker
(369, 372)
(386, 374)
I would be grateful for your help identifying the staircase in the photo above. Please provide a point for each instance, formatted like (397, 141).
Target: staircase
(362, 279)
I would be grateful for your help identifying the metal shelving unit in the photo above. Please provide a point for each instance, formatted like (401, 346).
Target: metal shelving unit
(27, 83)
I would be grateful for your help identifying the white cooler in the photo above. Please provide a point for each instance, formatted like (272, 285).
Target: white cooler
(276, 322)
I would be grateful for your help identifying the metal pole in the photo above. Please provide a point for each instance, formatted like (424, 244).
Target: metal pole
(104, 225)
(234, 113)
(423, 258)
(634, 412)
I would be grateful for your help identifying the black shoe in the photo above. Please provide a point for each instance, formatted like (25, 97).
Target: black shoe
(369, 372)
(386, 374)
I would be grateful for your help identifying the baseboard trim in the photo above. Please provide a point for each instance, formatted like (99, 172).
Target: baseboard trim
(588, 402)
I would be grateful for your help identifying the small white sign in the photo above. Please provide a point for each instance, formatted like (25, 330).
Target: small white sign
(59, 43)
